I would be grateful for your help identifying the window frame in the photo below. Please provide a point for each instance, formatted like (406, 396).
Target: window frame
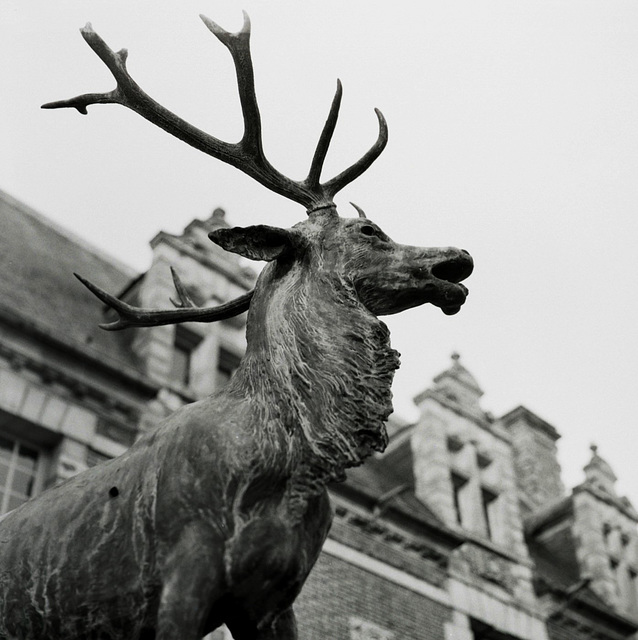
(13, 464)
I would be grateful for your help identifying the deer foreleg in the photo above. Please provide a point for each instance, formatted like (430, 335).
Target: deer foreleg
(192, 584)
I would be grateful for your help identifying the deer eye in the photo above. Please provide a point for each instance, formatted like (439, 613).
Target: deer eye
(367, 230)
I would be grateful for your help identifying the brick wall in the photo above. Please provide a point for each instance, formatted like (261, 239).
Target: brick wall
(338, 591)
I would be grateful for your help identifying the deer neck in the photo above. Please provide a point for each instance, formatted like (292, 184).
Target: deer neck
(318, 369)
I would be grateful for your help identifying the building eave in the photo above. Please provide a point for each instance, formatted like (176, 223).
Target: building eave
(437, 533)
(580, 604)
(135, 380)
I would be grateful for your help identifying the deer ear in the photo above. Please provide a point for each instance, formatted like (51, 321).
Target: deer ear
(259, 242)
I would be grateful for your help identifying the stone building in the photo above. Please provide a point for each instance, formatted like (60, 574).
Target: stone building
(461, 530)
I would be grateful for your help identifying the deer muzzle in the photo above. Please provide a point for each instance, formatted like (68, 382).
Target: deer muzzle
(444, 280)
(414, 276)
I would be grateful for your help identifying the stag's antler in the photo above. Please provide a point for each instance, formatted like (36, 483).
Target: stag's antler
(246, 155)
(130, 316)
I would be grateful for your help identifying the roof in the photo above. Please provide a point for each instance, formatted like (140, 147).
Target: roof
(385, 485)
(552, 549)
(461, 376)
(38, 290)
(529, 417)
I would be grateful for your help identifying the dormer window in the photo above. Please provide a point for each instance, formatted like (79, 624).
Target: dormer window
(183, 346)
(226, 365)
(488, 498)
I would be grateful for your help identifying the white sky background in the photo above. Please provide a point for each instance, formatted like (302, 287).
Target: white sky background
(513, 134)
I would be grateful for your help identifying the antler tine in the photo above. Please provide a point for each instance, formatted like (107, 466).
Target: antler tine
(324, 141)
(360, 211)
(239, 46)
(337, 183)
(116, 63)
(130, 316)
(129, 94)
(184, 300)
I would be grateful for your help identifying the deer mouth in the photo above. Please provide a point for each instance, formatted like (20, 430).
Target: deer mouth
(446, 291)
(450, 307)
(448, 296)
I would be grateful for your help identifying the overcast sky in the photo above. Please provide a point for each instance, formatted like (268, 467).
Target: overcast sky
(513, 134)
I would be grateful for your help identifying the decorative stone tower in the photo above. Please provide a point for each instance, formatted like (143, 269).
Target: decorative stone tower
(606, 538)
(463, 459)
(464, 470)
(193, 359)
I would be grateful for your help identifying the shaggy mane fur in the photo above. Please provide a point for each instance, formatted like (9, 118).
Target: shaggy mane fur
(320, 372)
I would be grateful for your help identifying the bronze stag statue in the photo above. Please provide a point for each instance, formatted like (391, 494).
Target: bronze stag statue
(219, 514)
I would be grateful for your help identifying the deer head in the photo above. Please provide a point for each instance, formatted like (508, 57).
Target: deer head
(383, 276)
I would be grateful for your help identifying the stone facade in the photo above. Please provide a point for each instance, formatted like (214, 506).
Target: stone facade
(536, 465)
(461, 530)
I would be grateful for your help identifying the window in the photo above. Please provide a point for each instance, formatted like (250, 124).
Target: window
(606, 531)
(183, 347)
(487, 499)
(613, 566)
(18, 473)
(226, 366)
(458, 483)
(484, 631)
(632, 596)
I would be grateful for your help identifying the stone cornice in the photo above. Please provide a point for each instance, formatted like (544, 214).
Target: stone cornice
(78, 387)
(495, 549)
(377, 539)
(134, 380)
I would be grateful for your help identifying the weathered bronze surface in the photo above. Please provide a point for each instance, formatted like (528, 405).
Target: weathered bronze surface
(219, 514)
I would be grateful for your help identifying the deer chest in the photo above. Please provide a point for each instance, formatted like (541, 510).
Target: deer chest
(269, 553)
